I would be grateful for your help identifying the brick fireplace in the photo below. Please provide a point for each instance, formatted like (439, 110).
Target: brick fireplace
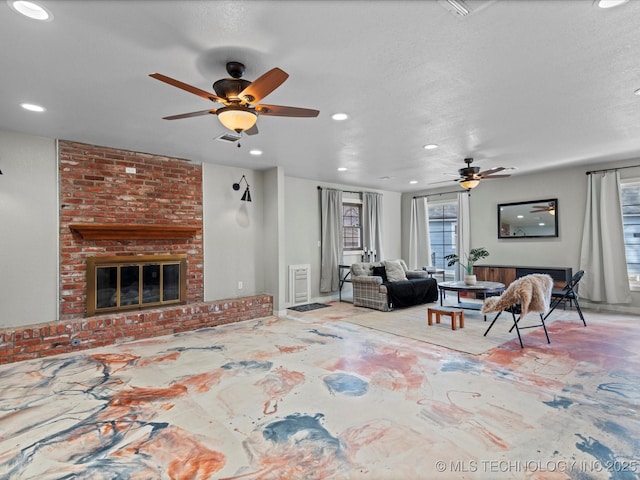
(120, 203)
(109, 187)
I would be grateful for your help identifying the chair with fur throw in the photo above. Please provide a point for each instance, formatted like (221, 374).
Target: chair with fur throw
(531, 293)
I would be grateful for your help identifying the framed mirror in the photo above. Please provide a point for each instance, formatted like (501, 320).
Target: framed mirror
(535, 219)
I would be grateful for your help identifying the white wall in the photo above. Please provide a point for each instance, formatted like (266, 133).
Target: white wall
(233, 233)
(569, 186)
(302, 227)
(28, 230)
(274, 241)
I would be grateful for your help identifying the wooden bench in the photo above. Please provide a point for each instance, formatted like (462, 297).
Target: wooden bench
(451, 312)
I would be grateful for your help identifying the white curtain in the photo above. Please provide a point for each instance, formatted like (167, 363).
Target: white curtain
(331, 236)
(419, 239)
(372, 223)
(602, 255)
(463, 240)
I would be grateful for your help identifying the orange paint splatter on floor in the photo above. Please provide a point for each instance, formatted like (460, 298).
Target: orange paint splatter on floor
(137, 395)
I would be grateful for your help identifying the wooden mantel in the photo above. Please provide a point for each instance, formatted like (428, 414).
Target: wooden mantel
(127, 231)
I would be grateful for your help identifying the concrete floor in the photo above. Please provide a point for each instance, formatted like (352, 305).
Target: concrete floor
(315, 395)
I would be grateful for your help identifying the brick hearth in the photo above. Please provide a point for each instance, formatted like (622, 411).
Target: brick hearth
(34, 341)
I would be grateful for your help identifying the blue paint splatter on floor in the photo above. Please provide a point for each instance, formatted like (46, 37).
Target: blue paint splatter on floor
(560, 402)
(248, 365)
(331, 335)
(346, 384)
(301, 427)
(609, 462)
(625, 390)
(466, 366)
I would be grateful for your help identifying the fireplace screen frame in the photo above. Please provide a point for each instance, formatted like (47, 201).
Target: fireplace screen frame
(94, 264)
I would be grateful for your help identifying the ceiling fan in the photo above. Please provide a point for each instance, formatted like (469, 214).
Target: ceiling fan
(240, 98)
(550, 207)
(470, 176)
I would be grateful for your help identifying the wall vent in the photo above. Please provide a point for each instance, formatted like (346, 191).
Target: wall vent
(299, 284)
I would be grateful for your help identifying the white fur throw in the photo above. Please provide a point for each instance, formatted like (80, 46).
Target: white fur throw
(532, 293)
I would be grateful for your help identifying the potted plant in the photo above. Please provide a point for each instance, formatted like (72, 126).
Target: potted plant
(475, 254)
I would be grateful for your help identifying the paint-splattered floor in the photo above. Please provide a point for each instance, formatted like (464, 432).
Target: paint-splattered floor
(313, 396)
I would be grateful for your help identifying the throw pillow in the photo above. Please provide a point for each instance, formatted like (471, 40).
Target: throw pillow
(394, 269)
(380, 272)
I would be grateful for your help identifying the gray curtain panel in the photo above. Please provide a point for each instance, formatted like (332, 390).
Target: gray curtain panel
(419, 237)
(331, 239)
(602, 254)
(372, 223)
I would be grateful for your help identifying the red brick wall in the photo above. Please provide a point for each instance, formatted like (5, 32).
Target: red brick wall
(35, 341)
(95, 188)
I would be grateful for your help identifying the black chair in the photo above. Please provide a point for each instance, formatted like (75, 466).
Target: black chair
(567, 294)
(511, 301)
(516, 310)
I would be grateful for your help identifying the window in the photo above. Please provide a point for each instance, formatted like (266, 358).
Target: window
(631, 223)
(443, 232)
(352, 226)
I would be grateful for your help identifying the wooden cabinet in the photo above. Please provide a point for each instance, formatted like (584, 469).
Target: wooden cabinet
(504, 275)
(507, 274)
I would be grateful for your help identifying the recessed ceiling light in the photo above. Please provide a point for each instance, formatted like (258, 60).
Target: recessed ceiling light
(342, 169)
(30, 9)
(637, 92)
(255, 151)
(32, 108)
(413, 182)
(339, 116)
(610, 3)
(430, 146)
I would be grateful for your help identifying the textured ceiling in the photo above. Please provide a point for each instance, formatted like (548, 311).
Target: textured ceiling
(526, 84)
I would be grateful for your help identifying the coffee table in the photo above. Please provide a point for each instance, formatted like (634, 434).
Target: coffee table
(482, 289)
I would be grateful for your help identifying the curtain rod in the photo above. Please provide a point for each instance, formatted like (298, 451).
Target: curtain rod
(436, 194)
(611, 169)
(345, 191)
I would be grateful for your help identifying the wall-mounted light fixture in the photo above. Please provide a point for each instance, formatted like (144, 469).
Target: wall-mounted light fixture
(246, 196)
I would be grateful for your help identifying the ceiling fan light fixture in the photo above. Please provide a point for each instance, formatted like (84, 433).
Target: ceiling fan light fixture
(237, 119)
(469, 184)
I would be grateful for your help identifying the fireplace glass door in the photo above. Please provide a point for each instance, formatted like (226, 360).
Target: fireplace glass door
(133, 282)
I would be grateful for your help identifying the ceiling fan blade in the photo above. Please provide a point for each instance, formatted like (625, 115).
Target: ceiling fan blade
(489, 177)
(187, 87)
(188, 115)
(444, 181)
(252, 131)
(263, 85)
(491, 171)
(281, 111)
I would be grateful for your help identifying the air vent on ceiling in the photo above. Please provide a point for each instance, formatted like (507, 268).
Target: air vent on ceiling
(463, 8)
(457, 7)
(228, 137)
